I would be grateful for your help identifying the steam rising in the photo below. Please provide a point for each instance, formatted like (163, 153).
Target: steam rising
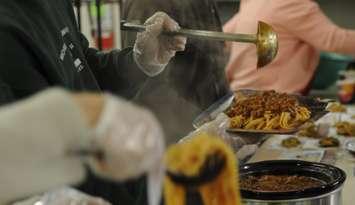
(194, 79)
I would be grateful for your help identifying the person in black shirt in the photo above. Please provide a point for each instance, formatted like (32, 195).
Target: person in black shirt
(41, 47)
(195, 78)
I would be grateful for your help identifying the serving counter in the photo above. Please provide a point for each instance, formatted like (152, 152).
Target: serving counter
(309, 150)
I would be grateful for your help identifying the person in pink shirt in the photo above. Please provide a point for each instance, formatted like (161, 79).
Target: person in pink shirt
(303, 32)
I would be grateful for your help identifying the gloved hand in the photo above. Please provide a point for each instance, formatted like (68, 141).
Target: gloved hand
(132, 143)
(153, 51)
(64, 196)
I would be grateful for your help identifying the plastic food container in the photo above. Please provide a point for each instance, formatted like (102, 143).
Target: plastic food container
(346, 87)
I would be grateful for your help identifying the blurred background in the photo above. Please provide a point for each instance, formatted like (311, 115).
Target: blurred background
(339, 11)
(175, 109)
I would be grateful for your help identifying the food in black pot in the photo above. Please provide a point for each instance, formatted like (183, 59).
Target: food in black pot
(278, 183)
(289, 180)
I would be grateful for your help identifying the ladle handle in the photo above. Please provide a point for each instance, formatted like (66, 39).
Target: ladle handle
(200, 34)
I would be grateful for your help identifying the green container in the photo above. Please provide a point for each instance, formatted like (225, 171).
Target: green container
(327, 72)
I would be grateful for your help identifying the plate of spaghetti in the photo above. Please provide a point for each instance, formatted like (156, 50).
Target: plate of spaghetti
(267, 112)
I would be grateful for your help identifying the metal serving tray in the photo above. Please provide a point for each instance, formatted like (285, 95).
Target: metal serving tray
(316, 106)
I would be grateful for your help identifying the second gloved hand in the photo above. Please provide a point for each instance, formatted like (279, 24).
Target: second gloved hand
(153, 51)
(132, 143)
(130, 138)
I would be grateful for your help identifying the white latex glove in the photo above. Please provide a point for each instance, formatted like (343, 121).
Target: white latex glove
(153, 51)
(132, 143)
(64, 196)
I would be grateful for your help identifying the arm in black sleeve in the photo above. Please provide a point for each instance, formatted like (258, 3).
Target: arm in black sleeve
(116, 71)
(20, 72)
(6, 95)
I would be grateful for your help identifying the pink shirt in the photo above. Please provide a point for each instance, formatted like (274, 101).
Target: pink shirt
(303, 31)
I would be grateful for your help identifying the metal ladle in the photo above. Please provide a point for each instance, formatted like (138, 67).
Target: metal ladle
(265, 40)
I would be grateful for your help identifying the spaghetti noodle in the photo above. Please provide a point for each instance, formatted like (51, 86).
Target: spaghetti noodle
(267, 110)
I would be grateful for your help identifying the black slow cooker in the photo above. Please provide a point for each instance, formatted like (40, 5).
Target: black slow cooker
(329, 193)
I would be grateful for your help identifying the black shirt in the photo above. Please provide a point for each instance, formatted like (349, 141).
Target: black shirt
(40, 46)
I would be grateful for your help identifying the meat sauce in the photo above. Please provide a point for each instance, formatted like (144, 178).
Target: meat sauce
(257, 104)
(278, 183)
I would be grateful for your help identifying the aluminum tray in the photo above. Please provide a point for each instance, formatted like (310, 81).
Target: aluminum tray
(316, 106)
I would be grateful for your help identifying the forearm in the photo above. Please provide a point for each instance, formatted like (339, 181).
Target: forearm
(307, 21)
(340, 40)
(327, 36)
(36, 136)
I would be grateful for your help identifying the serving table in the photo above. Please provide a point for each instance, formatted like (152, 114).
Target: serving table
(309, 150)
